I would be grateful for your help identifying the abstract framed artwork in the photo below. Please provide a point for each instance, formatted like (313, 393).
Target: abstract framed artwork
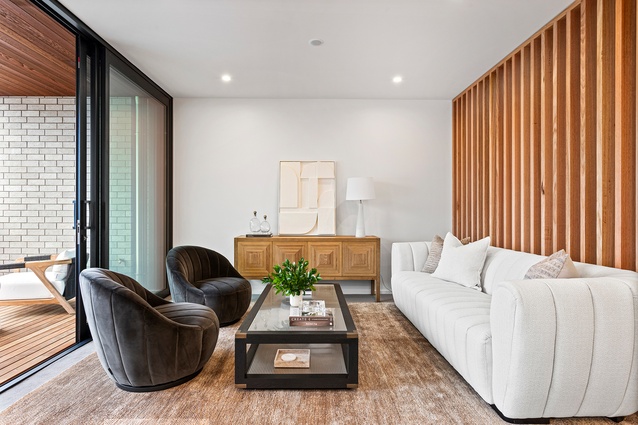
(307, 198)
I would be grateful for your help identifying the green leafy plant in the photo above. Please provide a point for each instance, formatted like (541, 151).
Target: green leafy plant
(293, 278)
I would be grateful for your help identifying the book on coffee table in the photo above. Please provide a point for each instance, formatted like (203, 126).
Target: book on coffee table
(326, 319)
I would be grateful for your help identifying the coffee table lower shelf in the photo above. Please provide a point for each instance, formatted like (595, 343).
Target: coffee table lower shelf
(328, 368)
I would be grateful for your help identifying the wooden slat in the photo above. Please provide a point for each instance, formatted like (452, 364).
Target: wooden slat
(588, 11)
(480, 231)
(516, 230)
(559, 113)
(500, 99)
(460, 164)
(475, 163)
(493, 212)
(471, 166)
(625, 134)
(526, 131)
(535, 157)
(547, 136)
(465, 204)
(507, 155)
(467, 168)
(573, 210)
(455, 159)
(486, 161)
(605, 82)
(31, 335)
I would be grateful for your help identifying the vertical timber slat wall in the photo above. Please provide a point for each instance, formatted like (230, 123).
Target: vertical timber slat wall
(545, 143)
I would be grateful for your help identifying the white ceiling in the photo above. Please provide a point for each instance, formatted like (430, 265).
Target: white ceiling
(439, 46)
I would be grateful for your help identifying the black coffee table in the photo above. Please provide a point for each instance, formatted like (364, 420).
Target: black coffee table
(334, 350)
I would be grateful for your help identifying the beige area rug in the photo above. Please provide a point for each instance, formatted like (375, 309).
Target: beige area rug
(402, 380)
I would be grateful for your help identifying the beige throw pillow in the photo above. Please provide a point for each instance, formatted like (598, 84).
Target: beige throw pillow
(557, 266)
(436, 247)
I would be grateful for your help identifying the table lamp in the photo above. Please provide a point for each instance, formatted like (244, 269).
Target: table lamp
(360, 189)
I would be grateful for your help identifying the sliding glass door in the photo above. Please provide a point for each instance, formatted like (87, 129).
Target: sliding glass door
(85, 145)
(137, 178)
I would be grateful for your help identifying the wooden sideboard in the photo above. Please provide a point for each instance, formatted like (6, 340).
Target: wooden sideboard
(335, 257)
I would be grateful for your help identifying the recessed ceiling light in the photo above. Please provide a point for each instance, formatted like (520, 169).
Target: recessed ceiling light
(316, 42)
(226, 78)
(397, 79)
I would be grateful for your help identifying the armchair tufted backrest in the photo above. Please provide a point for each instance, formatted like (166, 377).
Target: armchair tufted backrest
(97, 274)
(196, 263)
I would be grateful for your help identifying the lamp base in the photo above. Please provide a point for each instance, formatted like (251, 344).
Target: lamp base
(360, 230)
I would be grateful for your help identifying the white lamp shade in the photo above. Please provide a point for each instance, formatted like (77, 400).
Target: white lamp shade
(360, 189)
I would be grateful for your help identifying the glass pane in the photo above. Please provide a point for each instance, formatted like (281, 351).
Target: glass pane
(136, 183)
(274, 312)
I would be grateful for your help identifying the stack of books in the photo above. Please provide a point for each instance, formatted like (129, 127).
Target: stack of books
(312, 313)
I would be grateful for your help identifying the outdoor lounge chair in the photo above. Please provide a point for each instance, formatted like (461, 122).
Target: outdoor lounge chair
(39, 286)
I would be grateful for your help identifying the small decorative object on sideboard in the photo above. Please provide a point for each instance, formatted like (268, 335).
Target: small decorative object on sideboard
(259, 229)
(293, 279)
(265, 226)
(255, 225)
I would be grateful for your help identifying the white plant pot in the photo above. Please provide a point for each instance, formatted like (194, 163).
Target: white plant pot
(296, 300)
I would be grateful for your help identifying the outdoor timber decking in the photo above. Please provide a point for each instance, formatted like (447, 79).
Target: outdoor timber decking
(29, 334)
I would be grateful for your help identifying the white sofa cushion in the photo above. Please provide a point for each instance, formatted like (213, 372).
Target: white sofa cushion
(26, 285)
(456, 321)
(503, 265)
(462, 264)
(409, 256)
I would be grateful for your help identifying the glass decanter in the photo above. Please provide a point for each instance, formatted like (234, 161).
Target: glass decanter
(255, 225)
(265, 226)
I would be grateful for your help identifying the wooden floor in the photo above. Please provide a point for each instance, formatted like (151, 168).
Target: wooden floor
(31, 334)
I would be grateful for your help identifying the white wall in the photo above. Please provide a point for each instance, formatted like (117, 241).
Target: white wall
(227, 153)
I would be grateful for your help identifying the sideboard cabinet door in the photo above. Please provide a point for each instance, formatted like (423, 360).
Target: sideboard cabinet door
(326, 257)
(292, 251)
(254, 258)
(359, 259)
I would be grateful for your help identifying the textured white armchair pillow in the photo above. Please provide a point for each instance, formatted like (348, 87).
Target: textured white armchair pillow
(462, 264)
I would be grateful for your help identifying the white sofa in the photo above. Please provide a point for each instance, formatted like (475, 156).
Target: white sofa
(531, 348)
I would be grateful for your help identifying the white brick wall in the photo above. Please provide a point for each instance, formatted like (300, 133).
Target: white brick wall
(37, 175)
